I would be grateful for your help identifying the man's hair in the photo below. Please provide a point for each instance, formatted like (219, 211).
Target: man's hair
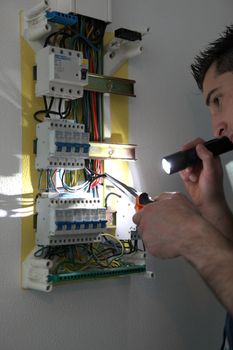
(219, 52)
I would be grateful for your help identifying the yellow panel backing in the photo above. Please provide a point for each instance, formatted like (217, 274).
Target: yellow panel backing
(30, 104)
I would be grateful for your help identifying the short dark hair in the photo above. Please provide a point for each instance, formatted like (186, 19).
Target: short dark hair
(220, 52)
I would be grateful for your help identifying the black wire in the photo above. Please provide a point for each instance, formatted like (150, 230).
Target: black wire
(60, 32)
(47, 111)
(45, 103)
(36, 114)
(64, 115)
(62, 180)
(108, 195)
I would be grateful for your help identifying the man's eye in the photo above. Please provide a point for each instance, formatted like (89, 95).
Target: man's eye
(216, 101)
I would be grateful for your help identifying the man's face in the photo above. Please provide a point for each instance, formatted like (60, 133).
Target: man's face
(218, 94)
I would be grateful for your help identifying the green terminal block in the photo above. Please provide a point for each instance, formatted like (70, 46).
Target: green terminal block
(94, 274)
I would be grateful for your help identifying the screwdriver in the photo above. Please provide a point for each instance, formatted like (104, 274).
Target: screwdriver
(141, 199)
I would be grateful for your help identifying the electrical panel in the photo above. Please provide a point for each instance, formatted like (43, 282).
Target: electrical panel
(80, 233)
(61, 73)
(61, 144)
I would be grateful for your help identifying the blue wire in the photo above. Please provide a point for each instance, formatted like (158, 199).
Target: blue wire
(87, 112)
(88, 42)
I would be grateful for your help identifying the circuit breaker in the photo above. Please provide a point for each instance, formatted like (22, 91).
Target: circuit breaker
(100, 9)
(61, 144)
(61, 73)
(68, 220)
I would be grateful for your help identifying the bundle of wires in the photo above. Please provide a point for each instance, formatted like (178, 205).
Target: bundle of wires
(86, 36)
(89, 40)
(108, 253)
(47, 111)
(71, 180)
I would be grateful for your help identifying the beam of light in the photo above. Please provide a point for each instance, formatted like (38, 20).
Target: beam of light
(3, 213)
(10, 185)
(22, 212)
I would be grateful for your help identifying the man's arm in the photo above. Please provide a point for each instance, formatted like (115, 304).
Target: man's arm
(204, 183)
(172, 227)
(221, 217)
(212, 256)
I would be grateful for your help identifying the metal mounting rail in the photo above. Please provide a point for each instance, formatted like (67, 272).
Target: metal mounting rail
(111, 85)
(111, 151)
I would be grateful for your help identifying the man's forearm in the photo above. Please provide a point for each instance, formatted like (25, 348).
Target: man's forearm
(221, 217)
(212, 256)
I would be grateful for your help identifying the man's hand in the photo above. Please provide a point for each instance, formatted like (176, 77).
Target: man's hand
(165, 225)
(204, 183)
(204, 180)
(172, 227)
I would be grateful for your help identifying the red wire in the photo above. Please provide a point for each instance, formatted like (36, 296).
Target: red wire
(98, 168)
(93, 103)
(98, 164)
(95, 118)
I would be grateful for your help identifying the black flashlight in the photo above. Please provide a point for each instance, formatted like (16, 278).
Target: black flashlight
(178, 161)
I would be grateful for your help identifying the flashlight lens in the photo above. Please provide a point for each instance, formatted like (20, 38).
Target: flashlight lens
(166, 166)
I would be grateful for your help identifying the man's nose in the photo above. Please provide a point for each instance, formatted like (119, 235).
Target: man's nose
(219, 129)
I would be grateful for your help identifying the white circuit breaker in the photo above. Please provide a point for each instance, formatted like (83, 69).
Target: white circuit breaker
(61, 144)
(99, 9)
(61, 73)
(62, 221)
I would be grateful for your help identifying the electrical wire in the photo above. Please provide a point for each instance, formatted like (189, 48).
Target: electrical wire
(108, 195)
(62, 33)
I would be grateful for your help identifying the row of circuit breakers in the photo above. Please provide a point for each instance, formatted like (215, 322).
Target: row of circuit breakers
(64, 144)
(62, 221)
(61, 73)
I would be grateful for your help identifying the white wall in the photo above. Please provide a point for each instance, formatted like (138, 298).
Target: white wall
(175, 310)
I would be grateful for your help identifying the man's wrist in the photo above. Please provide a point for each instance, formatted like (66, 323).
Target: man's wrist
(220, 216)
(205, 241)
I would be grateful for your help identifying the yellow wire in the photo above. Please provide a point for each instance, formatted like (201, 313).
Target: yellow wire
(90, 31)
(117, 240)
(65, 266)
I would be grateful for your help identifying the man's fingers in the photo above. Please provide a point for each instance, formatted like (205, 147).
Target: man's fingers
(137, 217)
(205, 155)
(165, 195)
(188, 175)
(192, 144)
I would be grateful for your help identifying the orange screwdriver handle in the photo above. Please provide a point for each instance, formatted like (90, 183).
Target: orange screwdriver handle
(142, 200)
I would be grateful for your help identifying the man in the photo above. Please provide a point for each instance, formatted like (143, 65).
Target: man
(202, 230)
